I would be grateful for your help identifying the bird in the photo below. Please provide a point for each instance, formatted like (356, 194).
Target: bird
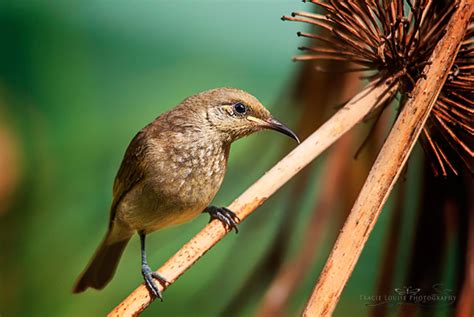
(170, 173)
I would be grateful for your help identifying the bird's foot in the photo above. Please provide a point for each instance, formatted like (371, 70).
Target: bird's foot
(148, 276)
(225, 215)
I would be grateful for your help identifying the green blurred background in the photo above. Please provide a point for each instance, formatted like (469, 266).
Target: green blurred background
(77, 81)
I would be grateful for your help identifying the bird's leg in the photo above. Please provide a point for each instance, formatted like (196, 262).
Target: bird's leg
(148, 273)
(225, 215)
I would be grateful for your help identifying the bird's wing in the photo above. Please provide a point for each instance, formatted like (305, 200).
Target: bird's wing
(131, 171)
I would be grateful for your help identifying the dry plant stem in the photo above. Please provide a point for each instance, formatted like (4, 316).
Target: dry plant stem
(293, 272)
(387, 168)
(255, 195)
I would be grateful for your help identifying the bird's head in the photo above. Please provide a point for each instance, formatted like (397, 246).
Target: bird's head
(234, 113)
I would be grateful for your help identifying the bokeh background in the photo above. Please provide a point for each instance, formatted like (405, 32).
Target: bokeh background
(79, 79)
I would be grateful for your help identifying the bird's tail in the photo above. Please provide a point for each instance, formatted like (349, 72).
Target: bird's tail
(101, 268)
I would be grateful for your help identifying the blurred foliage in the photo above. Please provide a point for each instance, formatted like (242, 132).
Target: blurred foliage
(77, 81)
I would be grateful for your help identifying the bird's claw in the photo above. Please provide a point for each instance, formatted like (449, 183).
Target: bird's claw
(226, 216)
(148, 276)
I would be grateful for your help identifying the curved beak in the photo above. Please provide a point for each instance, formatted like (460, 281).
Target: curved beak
(276, 125)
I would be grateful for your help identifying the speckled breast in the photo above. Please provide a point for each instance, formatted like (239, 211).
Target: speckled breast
(186, 181)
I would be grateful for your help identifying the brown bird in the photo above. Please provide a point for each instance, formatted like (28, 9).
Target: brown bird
(170, 173)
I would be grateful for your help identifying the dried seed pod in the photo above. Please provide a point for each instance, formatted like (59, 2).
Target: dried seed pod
(392, 41)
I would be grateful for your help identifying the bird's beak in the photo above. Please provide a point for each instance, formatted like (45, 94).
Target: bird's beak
(276, 125)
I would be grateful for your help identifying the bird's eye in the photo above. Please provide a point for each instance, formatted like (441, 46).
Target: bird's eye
(240, 108)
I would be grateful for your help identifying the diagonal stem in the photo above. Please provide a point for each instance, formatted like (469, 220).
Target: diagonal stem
(347, 117)
(291, 274)
(387, 168)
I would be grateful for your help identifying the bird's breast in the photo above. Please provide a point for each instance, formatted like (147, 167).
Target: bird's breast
(200, 171)
(191, 174)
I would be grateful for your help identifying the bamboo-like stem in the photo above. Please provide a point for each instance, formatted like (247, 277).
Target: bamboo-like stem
(387, 168)
(341, 122)
(293, 272)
